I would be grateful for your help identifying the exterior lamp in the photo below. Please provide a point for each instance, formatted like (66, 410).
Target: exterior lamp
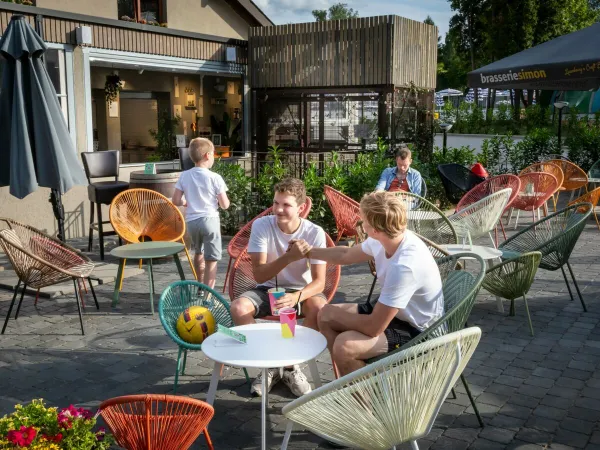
(560, 106)
(445, 128)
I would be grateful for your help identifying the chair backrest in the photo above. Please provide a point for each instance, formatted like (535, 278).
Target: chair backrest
(426, 219)
(345, 210)
(575, 176)
(153, 421)
(179, 296)
(546, 167)
(554, 236)
(590, 197)
(423, 188)
(482, 216)
(139, 215)
(513, 277)
(457, 180)
(185, 162)
(536, 189)
(240, 241)
(242, 279)
(554, 156)
(101, 164)
(394, 400)
(490, 186)
(594, 171)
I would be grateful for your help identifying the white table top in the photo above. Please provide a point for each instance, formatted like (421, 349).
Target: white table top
(484, 252)
(265, 347)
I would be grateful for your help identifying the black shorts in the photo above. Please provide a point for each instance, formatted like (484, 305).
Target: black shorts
(397, 332)
(259, 297)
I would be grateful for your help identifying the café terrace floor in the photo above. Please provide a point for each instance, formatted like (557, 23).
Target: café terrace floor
(533, 392)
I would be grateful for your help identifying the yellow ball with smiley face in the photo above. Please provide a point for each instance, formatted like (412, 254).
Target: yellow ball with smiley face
(195, 324)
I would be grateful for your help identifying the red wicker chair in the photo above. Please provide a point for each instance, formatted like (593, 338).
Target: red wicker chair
(345, 211)
(157, 422)
(240, 241)
(536, 189)
(488, 187)
(242, 277)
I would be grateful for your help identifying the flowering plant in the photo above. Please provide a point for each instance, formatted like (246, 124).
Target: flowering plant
(37, 427)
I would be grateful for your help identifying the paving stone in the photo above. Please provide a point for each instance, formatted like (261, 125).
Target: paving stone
(446, 443)
(483, 444)
(542, 423)
(578, 425)
(549, 412)
(571, 438)
(499, 435)
(462, 434)
(557, 402)
(534, 436)
(515, 411)
(540, 381)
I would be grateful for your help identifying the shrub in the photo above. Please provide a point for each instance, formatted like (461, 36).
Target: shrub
(583, 141)
(499, 154)
(537, 145)
(239, 192)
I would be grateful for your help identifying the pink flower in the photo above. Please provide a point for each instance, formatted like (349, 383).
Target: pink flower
(100, 434)
(23, 437)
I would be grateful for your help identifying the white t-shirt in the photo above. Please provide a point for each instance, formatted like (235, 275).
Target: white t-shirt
(410, 280)
(267, 237)
(200, 187)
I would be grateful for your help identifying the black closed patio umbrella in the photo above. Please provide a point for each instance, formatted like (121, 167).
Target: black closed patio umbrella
(36, 149)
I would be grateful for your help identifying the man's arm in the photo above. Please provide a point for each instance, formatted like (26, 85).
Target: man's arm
(341, 256)
(382, 181)
(178, 198)
(316, 286)
(418, 183)
(264, 271)
(372, 325)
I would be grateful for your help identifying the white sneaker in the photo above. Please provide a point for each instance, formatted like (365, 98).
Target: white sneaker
(296, 381)
(273, 377)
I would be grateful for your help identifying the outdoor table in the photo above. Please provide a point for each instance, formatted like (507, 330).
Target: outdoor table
(265, 349)
(486, 253)
(146, 250)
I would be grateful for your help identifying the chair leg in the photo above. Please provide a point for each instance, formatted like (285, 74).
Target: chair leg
(177, 370)
(246, 375)
(209, 443)
(372, 287)
(288, 434)
(414, 445)
(517, 219)
(122, 275)
(20, 301)
(453, 392)
(528, 315)
(91, 230)
(227, 275)
(93, 293)
(567, 283)
(185, 362)
(78, 307)
(100, 231)
(11, 306)
(492, 239)
(596, 217)
(576, 286)
(189, 257)
(37, 296)
(502, 228)
(466, 385)
(80, 292)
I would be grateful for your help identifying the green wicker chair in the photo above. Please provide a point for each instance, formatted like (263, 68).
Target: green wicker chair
(512, 279)
(426, 219)
(181, 295)
(460, 289)
(554, 237)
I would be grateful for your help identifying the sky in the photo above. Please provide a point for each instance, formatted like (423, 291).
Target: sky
(298, 11)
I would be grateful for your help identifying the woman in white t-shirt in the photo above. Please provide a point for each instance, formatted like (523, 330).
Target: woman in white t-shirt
(411, 294)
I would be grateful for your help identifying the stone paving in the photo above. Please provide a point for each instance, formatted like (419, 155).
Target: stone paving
(533, 392)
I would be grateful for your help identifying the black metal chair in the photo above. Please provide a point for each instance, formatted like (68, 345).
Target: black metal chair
(185, 162)
(457, 180)
(102, 164)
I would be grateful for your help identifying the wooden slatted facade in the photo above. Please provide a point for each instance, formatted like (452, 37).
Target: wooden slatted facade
(370, 51)
(148, 40)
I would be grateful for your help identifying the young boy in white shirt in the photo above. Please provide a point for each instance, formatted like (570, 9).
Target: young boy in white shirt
(411, 295)
(204, 192)
(278, 245)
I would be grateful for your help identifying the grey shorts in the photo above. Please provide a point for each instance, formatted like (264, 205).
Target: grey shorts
(206, 236)
(259, 296)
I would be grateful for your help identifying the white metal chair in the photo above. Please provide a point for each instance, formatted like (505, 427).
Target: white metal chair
(389, 402)
(481, 217)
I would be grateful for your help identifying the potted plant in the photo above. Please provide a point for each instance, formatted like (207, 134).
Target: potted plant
(112, 87)
(36, 426)
(164, 136)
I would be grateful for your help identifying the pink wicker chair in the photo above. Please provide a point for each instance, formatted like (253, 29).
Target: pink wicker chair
(40, 260)
(536, 189)
(345, 211)
(240, 241)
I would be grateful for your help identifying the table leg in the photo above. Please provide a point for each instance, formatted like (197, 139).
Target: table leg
(117, 282)
(179, 267)
(214, 381)
(314, 372)
(263, 413)
(151, 285)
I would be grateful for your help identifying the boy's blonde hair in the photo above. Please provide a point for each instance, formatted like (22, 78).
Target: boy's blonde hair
(385, 213)
(292, 186)
(200, 147)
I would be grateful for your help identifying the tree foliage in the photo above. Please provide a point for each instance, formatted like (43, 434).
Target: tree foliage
(338, 11)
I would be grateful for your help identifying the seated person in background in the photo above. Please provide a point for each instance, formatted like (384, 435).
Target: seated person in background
(411, 287)
(278, 245)
(402, 177)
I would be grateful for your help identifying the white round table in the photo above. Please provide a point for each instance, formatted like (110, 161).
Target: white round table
(265, 349)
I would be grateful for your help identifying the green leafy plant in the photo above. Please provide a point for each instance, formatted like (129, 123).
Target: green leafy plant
(499, 154)
(112, 86)
(37, 427)
(272, 171)
(164, 136)
(228, 129)
(538, 144)
(238, 184)
(583, 140)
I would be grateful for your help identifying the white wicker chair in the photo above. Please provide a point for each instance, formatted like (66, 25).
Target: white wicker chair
(391, 401)
(481, 217)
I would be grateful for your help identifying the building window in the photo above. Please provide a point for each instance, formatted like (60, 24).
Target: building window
(138, 10)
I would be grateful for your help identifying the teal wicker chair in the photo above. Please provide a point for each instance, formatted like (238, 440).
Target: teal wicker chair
(175, 299)
(512, 279)
(554, 237)
(460, 290)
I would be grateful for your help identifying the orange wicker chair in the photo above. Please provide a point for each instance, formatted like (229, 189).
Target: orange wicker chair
(345, 211)
(40, 260)
(591, 197)
(139, 215)
(574, 176)
(536, 190)
(548, 167)
(242, 277)
(157, 422)
(240, 241)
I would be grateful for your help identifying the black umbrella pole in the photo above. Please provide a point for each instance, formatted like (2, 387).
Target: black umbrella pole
(59, 212)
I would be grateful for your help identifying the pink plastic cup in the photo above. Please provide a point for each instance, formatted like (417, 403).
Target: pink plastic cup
(274, 295)
(287, 318)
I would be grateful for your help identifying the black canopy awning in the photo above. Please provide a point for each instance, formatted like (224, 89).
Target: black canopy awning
(566, 63)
